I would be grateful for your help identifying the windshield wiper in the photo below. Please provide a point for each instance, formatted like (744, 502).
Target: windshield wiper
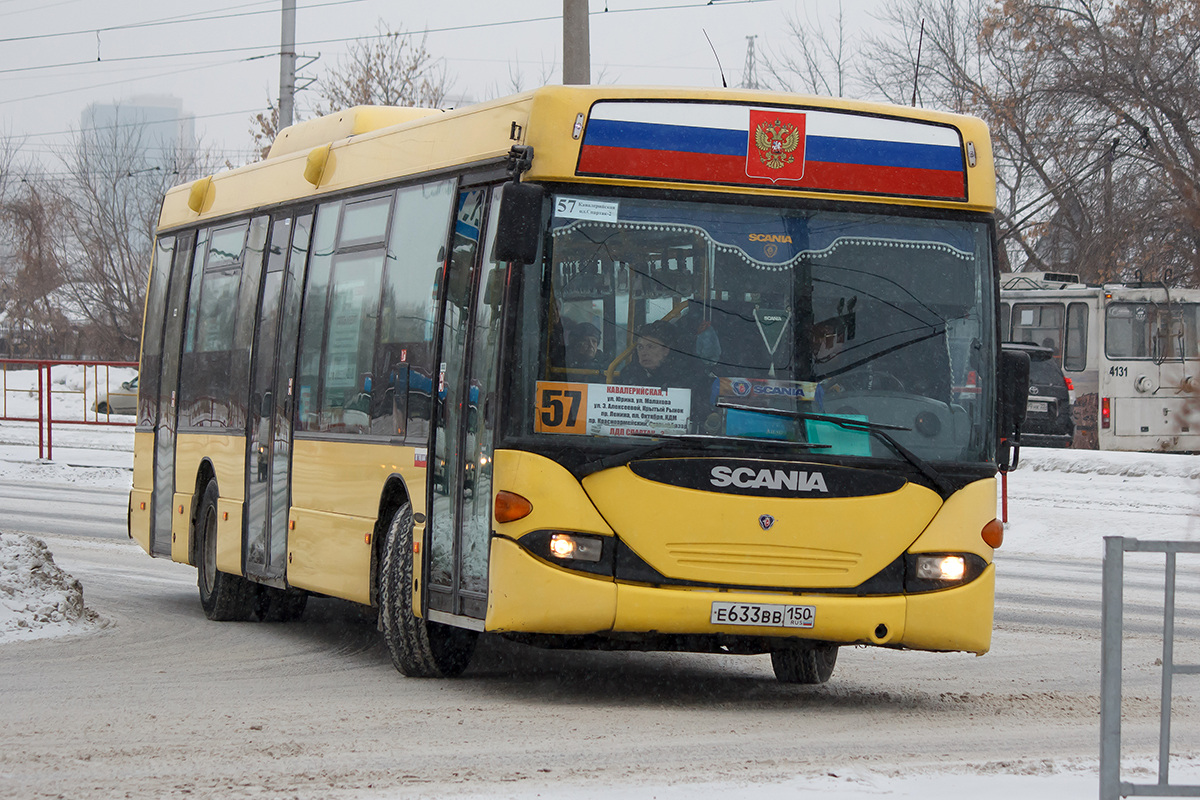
(692, 440)
(876, 429)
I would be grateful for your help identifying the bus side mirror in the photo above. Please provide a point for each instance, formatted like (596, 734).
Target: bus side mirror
(1014, 399)
(519, 228)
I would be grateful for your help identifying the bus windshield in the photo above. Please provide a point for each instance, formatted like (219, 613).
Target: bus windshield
(1164, 332)
(742, 323)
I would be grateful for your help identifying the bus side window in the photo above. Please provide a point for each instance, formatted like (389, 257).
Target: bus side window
(312, 318)
(346, 384)
(206, 366)
(1075, 347)
(408, 313)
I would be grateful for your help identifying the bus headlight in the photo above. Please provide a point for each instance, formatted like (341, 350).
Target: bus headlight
(931, 572)
(941, 568)
(582, 551)
(573, 546)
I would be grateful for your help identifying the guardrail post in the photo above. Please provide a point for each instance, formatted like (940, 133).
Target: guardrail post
(1111, 619)
(1168, 671)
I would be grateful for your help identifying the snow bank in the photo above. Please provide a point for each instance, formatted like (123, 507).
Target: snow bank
(56, 473)
(1097, 462)
(38, 600)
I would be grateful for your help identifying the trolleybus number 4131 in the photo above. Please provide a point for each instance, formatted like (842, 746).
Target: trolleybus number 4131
(773, 616)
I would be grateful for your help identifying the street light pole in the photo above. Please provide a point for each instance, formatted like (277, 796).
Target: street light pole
(287, 64)
(577, 57)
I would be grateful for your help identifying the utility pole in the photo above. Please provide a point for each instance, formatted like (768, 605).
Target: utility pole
(287, 65)
(749, 78)
(577, 57)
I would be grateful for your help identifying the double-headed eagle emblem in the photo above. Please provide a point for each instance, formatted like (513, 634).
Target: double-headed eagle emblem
(775, 143)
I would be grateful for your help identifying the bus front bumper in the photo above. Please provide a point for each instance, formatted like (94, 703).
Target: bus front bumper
(527, 595)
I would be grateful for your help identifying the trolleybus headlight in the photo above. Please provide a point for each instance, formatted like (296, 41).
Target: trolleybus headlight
(941, 568)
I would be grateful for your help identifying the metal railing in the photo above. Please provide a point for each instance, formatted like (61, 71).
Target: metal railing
(1112, 612)
(72, 406)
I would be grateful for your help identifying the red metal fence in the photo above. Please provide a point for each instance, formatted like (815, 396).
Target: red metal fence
(86, 393)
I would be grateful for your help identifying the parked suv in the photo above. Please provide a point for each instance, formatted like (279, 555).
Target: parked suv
(1048, 421)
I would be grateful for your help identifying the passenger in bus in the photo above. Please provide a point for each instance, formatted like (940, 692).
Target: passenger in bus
(656, 360)
(584, 352)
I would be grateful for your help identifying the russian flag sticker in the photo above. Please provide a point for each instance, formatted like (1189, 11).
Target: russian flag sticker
(819, 150)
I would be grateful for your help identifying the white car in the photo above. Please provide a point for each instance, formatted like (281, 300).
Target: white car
(119, 401)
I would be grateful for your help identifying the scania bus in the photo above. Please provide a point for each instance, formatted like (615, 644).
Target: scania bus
(1131, 349)
(595, 367)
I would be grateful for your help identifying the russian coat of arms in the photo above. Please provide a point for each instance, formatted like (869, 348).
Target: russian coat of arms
(776, 141)
(776, 144)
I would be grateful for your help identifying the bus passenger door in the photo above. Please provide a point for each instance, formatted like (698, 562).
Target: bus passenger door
(461, 518)
(268, 451)
(163, 497)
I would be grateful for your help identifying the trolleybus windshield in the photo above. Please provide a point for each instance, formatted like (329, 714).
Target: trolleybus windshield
(657, 318)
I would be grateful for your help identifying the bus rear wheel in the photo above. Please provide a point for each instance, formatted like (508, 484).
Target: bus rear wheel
(225, 597)
(419, 648)
(808, 663)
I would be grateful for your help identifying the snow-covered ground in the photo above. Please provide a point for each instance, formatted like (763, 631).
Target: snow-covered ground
(1061, 503)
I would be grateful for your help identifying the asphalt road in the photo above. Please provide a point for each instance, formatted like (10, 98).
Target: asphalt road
(76, 510)
(163, 703)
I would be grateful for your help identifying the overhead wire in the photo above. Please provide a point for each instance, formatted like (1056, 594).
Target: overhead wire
(272, 49)
(183, 18)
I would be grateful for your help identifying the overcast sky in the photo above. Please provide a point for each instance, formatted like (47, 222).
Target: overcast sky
(221, 57)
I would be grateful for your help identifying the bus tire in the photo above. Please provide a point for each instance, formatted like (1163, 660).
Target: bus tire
(419, 648)
(225, 597)
(808, 664)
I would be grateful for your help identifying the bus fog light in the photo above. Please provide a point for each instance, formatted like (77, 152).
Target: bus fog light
(941, 568)
(576, 548)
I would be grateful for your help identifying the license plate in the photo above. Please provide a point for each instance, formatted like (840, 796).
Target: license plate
(1040, 407)
(763, 615)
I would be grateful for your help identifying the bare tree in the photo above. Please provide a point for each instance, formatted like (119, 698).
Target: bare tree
(34, 322)
(1129, 67)
(391, 68)
(31, 321)
(517, 81)
(814, 60)
(1093, 107)
(108, 206)
(264, 128)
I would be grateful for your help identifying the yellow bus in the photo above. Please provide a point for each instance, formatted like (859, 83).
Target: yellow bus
(595, 367)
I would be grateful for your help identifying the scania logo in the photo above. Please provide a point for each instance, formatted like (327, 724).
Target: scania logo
(774, 479)
(766, 521)
(741, 387)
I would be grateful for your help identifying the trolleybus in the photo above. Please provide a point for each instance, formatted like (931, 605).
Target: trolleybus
(1130, 349)
(595, 367)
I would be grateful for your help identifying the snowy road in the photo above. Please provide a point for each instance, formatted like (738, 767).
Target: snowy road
(63, 509)
(163, 703)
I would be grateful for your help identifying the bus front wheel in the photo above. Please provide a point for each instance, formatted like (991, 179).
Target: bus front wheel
(809, 663)
(419, 648)
(224, 597)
